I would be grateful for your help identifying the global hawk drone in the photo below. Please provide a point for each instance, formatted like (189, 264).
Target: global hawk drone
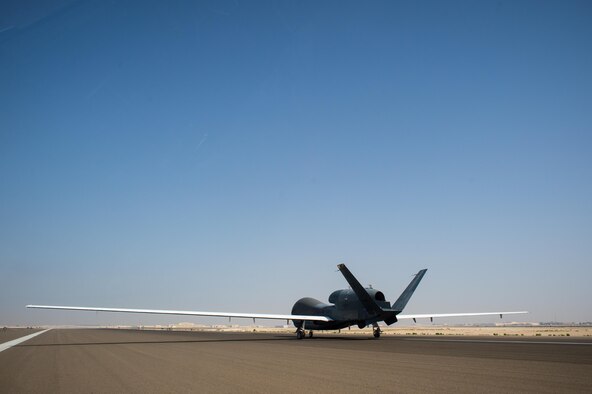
(347, 307)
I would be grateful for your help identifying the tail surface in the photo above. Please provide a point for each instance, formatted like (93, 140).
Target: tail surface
(369, 304)
(399, 305)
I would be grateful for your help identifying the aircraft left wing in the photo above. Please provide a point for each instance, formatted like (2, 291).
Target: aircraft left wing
(432, 315)
(189, 313)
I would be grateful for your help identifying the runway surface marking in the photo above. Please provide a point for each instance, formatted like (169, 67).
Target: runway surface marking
(9, 344)
(498, 341)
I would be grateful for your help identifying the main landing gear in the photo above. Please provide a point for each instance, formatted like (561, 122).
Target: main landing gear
(376, 331)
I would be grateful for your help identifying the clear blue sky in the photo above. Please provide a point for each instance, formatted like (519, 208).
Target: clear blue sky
(227, 155)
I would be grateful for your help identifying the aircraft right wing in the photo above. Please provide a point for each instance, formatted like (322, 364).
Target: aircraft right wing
(190, 313)
(432, 315)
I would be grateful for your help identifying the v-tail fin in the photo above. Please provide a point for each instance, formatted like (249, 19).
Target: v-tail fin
(369, 304)
(399, 305)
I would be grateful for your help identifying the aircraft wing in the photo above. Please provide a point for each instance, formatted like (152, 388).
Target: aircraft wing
(189, 313)
(432, 315)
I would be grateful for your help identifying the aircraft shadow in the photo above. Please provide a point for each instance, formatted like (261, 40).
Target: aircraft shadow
(274, 339)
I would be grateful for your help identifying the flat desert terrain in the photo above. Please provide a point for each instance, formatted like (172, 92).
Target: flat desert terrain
(501, 331)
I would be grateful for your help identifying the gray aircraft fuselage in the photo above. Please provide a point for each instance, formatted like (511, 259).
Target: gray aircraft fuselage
(355, 306)
(345, 309)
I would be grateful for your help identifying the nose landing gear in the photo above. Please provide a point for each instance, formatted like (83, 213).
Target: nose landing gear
(300, 333)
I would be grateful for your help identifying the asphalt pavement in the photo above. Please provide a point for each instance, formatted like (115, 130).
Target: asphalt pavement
(103, 360)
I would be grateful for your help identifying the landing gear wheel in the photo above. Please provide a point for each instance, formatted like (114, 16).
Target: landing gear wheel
(310, 334)
(376, 333)
(300, 333)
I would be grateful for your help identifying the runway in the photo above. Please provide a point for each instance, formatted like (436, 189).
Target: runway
(18, 338)
(101, 360)
(10, 334)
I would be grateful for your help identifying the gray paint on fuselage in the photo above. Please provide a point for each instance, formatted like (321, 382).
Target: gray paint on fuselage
(344, 308)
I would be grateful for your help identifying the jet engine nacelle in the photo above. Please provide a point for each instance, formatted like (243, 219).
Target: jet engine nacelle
(341, 297)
